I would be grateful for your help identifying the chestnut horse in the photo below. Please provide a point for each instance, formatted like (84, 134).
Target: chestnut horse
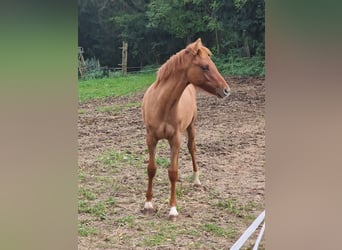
(169, 108)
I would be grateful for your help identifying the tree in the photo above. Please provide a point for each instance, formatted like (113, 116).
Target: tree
(156, 29)
(183, 19)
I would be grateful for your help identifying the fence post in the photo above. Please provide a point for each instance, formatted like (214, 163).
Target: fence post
(82, 68)
(124, 57)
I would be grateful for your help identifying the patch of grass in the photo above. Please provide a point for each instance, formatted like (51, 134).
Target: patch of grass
(117, 159)
(110, 201)
(182, 190)
(85, 231)
(105, 179)
(191, 178)
(166, 232)
(162, 144)
(87, 194)
(163, 162)
(118, 86)
(98, 210)
(197, 245)
(81, 111)
(237, 209)
(218, 231)
(83, 206)
(109, 109)
(117, 108)
(127, 220)
(132, 104)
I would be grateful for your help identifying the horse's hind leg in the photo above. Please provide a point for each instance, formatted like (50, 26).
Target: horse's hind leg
(192, 150)
(151, 171)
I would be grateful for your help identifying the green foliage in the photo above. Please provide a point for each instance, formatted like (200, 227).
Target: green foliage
(93, 68)
(183, 19)
(241, 66)
(156, 29)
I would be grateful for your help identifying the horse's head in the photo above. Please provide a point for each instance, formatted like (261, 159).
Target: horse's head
(202, 71)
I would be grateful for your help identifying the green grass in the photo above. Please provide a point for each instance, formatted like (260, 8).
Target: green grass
(132, 105)
(117, 159)
(87, 194)
(126, 221)
(98, 210)
(117, 108)
(118, 86)
(165, 233)
(109, 109)
(81, 111)
(85, 231)
(218, 231)
(237, 209)
(163, 162)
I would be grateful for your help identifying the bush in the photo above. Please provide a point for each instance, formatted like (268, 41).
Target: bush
(241, 66)
(93, 69)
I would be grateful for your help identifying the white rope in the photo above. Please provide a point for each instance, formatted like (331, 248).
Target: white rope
(259, 237)
(249, 231)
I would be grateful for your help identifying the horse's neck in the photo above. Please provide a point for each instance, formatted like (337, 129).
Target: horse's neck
(171, 91)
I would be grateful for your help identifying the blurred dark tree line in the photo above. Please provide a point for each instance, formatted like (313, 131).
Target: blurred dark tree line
(155, 29)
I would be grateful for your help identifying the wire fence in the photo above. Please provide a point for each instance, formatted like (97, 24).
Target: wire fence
(112, 72)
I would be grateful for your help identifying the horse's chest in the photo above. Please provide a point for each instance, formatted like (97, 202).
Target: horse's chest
(165, 130)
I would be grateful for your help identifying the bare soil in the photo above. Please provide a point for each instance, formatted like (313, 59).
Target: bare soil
(231, 157)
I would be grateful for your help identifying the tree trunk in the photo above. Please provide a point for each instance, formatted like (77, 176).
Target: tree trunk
(248, 52)
(188, 39)
(124, 58)
(217, 42)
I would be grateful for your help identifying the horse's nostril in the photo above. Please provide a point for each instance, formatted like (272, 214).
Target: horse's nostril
(226, 92)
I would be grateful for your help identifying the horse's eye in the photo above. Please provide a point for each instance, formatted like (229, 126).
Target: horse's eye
(205, 67)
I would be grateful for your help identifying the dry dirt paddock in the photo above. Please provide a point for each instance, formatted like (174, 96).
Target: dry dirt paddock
(112, 174)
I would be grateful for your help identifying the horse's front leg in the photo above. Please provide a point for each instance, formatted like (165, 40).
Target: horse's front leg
(173, 174)
(151, 171)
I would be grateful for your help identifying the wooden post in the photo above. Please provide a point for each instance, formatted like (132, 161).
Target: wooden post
(82, 68)
(124, 57)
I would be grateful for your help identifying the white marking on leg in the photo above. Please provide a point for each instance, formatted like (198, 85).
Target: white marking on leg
(197, 181)
(173, 211)
(148, 205)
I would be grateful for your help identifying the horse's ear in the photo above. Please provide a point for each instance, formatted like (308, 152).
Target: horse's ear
(198, 42)
(194, 47)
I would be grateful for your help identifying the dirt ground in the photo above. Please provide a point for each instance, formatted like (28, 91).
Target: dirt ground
(112, 168)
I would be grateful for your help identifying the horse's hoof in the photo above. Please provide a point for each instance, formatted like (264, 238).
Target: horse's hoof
(149, 211)
(200, 187)
(197, 185)
(173, 218)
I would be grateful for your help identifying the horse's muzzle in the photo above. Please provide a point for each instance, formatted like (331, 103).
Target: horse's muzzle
(222, 93)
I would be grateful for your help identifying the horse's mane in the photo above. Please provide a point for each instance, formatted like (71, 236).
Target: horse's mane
(179, 61)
